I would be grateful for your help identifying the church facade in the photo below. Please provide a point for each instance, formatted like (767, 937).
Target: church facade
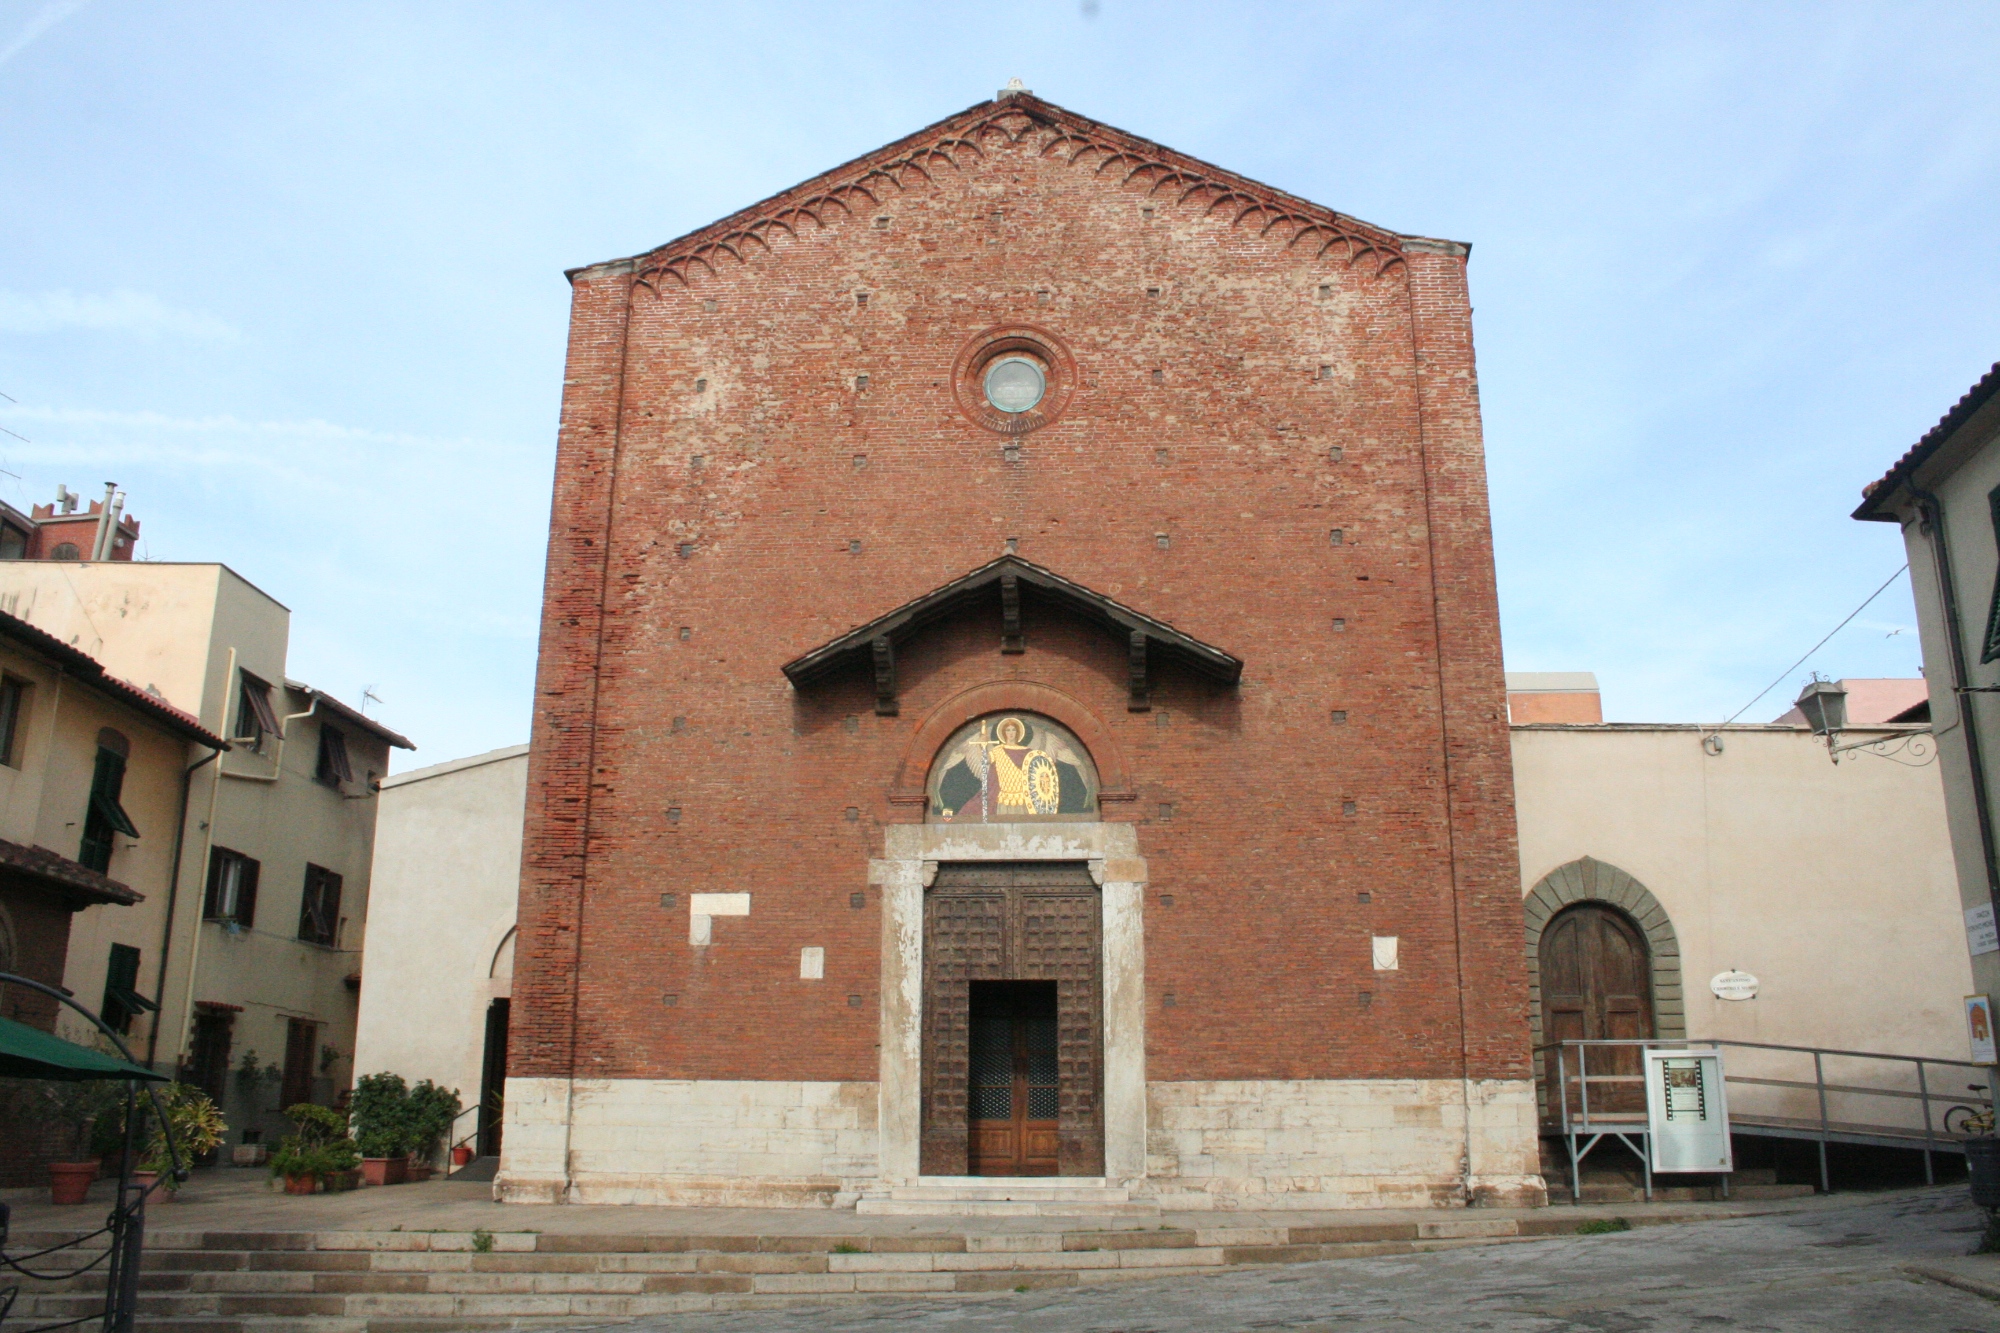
(1020, 705)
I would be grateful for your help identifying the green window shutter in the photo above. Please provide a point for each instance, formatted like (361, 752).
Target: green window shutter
(122, 1000)
(104, 816)
(1989, 648)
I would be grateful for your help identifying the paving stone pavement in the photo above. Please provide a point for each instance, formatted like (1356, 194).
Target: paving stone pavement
(1834, 1268)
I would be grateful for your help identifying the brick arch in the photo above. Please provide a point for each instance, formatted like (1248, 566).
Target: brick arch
(1114, 780)
(1587, 880)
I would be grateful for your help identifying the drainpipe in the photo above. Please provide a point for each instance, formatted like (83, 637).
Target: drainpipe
(207, 849)
(277, 759)
(173, 897)
(1931, 512)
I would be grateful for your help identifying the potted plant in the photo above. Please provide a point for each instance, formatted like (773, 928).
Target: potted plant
(197, 1126)
(73, 1108)
(432, 1112)
(380, 1112)
(321, 1149)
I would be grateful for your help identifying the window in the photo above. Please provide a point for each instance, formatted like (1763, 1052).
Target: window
(104, 816)
(13, 711)
(301, 1044)
(13, 543)
(65, 551)
(254, 718)
(319, 909)
(332, 768)
(232, 888)
(122, 1000)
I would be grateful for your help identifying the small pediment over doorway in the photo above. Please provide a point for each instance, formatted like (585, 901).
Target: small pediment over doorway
(1019, 586)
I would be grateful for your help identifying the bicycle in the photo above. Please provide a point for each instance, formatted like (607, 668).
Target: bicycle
(1969, 1120)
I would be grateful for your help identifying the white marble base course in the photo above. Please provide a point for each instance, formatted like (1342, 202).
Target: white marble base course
(1341, 1143)
(1223, 1145)
(697, 1143)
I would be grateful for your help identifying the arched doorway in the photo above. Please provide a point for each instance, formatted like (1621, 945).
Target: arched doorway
(1597, 985)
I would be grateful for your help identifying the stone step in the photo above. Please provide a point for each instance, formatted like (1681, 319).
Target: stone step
(989, 1196)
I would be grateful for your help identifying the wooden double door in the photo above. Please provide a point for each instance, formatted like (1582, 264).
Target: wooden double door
(1597, 984)
(1012, 1021)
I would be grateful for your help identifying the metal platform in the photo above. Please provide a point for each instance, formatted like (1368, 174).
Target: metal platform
(1583, 1126)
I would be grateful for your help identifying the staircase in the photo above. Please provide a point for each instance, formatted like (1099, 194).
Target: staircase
(431, 1282)
(478, 1169)
(988, 1196)
(1611, 1176)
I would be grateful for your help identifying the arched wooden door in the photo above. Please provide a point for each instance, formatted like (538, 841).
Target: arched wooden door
(1597, 985)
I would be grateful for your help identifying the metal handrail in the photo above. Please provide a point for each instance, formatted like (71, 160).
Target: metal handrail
(1932, 1136)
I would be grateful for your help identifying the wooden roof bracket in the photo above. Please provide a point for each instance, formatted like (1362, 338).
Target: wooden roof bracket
(1011, 638)
(1141, 700)
(885, 676)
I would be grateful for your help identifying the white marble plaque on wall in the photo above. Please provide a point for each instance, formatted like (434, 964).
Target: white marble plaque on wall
(1980, 935)
(1733, 985)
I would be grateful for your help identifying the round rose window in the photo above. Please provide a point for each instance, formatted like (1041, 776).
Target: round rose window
(1015, 384)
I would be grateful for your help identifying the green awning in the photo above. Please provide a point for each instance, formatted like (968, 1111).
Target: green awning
(27, 1052)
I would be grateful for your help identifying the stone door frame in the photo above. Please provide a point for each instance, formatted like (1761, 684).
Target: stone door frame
(911, 853)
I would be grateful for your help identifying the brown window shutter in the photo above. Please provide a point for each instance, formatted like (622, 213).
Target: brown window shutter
(246, 897)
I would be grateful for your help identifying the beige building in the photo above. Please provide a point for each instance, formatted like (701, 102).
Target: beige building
(1942, 493)
(93, 776)
(1657, 857)
(259, 958)
(440, 937)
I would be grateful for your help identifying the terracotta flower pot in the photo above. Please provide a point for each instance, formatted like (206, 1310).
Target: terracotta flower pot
(461, 1154)
(301, 1184)
(384, 1170)
(69, 1182)
(419, 1170)
(144, 1180)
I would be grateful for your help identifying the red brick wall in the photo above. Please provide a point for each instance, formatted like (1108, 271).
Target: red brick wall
(40, 924)
(664, 763)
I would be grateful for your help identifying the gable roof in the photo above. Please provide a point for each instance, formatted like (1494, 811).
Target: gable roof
(83, 667)
(997, 577)
(910, 162)
(1879, 492)
(351, 716)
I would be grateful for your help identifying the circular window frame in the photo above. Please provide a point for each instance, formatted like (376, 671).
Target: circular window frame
(1003, 342)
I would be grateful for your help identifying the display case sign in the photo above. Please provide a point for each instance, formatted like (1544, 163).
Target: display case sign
(1979, 1027)
(1687, 1111)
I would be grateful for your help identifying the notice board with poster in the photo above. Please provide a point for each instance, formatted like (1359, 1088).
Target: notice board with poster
(1687, 1111)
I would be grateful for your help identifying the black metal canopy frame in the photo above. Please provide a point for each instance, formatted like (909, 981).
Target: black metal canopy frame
(126, 1226)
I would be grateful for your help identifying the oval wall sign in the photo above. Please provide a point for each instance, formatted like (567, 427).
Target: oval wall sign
(1733, 986)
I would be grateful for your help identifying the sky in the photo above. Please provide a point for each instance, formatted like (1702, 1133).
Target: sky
(292, 276)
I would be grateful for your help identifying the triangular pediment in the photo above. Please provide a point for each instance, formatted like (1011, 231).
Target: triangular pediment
(1012, 582)
(964, 141)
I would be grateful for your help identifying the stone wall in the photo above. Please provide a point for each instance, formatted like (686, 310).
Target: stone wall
(1364, 1143)
(1375, 1143)
(708, 1144)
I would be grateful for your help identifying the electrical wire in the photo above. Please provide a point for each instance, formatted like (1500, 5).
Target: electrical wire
(1816, 647)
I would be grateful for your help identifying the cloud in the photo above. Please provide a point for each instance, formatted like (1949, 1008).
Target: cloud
(47, 17)
(118, 312)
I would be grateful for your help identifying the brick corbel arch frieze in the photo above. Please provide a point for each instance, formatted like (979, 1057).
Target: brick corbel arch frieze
(1114, 781)
(1588, 880)
(1185, 184)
